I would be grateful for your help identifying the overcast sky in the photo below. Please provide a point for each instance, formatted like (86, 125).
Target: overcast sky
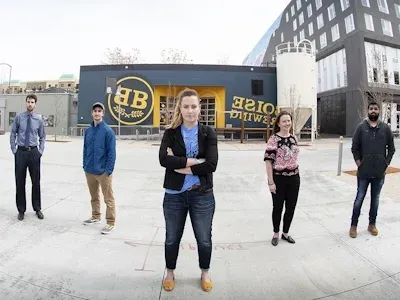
(42, 41)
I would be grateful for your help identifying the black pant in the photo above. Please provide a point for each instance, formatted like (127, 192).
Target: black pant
(287, 192)
(27, 159)
(201, 207)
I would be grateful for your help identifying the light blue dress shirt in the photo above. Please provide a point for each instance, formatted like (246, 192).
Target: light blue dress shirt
(37, 136)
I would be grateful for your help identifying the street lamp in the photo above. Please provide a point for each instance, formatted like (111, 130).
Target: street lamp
(9, 78)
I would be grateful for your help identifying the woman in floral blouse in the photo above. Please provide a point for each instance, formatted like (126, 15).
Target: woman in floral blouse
(281, 157)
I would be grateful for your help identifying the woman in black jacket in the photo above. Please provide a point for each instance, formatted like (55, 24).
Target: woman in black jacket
(189, 154)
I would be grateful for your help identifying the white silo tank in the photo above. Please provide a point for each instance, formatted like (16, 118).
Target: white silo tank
(296, 83)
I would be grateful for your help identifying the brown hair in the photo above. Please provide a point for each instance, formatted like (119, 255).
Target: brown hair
(31, 96)
(278, 118)
(177, 118)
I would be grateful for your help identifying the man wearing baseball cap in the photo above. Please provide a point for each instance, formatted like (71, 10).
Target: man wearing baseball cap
(99, 154)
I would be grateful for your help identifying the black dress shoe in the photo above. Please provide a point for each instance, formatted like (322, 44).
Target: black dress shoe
(39, 215)
(289, 239)
(20, 216)
(274, 241)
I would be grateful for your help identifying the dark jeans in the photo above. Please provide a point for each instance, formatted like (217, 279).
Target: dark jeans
(362, 187)
(201, 207)
(287, 192)
(29, 159)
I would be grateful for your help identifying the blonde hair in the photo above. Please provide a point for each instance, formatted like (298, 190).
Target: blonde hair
(177, 118)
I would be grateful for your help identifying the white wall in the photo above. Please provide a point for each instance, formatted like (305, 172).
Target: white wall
(392, 116)
(332, 71)
(382, 58)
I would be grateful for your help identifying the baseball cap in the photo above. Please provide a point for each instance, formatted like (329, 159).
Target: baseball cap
(98, 104)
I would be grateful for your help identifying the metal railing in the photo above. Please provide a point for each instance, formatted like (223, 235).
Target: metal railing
(124, 132)
(152, 133)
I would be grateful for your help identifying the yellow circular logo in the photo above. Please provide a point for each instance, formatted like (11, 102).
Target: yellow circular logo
(135, 102)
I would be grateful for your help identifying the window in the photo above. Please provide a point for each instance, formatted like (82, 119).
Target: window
(294, 25)
(207, 116)
(383, 7)
(345, 4)
(310, 29)
(375, 74)
(309, 10)
(349, 22)
(335, 32)
(365, 3)
(257, 87)
(322, 40)
(302, 36)
(387, 27)
(301, 19)
(282, 37)
(295, 40)
(320, 21)
(318, 4)
(369, 22)
(167, 105)
(287, 17)
(396, 78)
(386, 76)
(397, 9)
(292, 10)
(313, 44)
(298, 2)
(331, 12)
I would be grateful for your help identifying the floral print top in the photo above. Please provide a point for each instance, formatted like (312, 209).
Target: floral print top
(283, 153)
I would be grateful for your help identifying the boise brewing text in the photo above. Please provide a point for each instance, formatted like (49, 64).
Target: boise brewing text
(253, 111)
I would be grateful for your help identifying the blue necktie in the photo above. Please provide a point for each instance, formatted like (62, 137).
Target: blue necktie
(28, 131)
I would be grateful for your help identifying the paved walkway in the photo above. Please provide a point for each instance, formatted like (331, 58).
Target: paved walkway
(59, 258)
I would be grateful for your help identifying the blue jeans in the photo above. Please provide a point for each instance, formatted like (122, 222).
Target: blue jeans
(362, 187)
(201, 207)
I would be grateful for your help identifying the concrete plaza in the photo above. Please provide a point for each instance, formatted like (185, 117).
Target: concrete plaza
(59, 258)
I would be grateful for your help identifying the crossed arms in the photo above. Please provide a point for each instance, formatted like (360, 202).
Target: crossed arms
(184, 165)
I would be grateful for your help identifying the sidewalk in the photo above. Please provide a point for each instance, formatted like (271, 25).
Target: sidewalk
(59, 258)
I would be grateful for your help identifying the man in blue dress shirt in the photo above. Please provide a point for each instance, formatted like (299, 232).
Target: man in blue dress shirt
(26, 130)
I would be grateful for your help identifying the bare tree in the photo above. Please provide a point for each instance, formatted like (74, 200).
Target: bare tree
(174, 56)
(376, 88)
(293, 100)
(117, 57)
(59, 114)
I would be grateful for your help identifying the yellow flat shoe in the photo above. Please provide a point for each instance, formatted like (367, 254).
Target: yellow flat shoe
(206, 285)
(169, 285)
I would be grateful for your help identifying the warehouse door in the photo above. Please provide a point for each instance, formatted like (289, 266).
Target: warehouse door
(207, 114)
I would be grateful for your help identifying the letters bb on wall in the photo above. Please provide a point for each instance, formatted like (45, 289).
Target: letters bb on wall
(135, 103)
(255, 111)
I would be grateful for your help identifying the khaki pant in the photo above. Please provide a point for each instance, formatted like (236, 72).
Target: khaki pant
(105, 182)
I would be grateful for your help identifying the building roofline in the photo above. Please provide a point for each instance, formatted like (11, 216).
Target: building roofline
(177, 67)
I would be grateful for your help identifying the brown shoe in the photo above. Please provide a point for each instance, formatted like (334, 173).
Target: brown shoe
(373, 230)
(353, 231)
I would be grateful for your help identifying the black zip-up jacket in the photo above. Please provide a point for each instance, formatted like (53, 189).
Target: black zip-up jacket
(207, 143)
(374, 147)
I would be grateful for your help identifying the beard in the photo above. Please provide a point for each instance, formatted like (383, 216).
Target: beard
(373, 117)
